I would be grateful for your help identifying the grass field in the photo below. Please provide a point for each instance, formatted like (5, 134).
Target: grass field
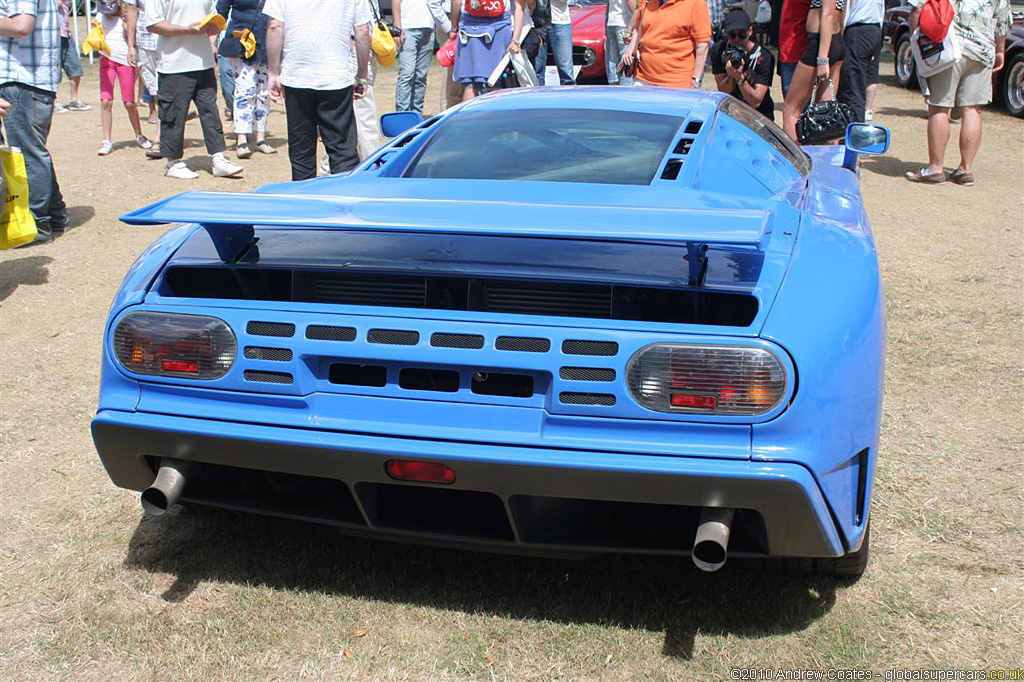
(90, 589)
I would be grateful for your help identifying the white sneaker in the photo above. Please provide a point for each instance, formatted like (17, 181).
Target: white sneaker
(59, 108)
(105, 148)
(869, 116)
(180, 171)
(223, 168)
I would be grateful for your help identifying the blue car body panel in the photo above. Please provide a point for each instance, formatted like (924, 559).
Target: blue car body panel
(798, 245)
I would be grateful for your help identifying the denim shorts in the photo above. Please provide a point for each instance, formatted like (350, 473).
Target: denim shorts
(69, 59)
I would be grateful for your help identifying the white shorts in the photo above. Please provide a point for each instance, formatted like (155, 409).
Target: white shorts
(968, 83)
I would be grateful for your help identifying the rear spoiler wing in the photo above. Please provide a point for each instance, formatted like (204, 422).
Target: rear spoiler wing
(229, 218)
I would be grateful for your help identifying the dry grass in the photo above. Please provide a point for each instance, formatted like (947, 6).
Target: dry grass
(91, 590)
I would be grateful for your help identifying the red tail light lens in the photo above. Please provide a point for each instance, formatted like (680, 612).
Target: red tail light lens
(724, 380)
(166, 344)
(421, 472)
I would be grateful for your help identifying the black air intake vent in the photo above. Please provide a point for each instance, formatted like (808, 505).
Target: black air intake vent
(282, 329)
(605, 348)
(586, 374)
(393, 337)
(404, 292)
(534, 298)
(523, 344)
(272, 354)
(325, 333)
(443, 340)
(435, 292)
(268, 377)
(569, 398)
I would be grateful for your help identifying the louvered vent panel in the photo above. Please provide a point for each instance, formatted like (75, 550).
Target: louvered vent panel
(400, 292)
(526, 298)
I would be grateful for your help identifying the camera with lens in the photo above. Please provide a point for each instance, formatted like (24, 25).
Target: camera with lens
(736, 56)
(394, 30)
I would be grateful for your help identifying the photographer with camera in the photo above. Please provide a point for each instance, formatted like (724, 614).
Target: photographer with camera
(741, 66)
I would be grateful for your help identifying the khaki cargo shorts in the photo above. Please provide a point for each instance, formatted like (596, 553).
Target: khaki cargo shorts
(968, 83)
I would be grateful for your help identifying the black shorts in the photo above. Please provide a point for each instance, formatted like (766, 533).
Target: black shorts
(836, 50)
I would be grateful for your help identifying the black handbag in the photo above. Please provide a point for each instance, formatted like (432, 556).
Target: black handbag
(542, 14)
(823, 122)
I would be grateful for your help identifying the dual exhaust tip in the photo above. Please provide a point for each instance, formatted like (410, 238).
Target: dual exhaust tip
(710, 546)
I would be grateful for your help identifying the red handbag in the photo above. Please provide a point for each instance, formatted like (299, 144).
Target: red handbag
(489, 8)
(936, 18)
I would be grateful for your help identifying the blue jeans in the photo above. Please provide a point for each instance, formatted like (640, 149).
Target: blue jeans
(614, 46)
(786, 71)
(27, 125)
(413, 62)
(559, 37)
(227, 83)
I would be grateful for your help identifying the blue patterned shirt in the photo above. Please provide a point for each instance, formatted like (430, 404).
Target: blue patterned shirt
(35, 59)
(716, 8)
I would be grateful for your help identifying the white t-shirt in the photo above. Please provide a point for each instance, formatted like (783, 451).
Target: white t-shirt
(415, 14)
(618, 13)
(317, 39)
(560, 12)
(113, 28)
(179, 54)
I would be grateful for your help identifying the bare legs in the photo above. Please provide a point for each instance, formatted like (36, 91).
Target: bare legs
(970, 136)
(938, 137)
(107, 117)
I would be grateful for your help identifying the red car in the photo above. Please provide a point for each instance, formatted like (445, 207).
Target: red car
(588, 26)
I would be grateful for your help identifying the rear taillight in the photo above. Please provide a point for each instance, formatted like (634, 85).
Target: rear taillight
(696, 379)
(165, 344)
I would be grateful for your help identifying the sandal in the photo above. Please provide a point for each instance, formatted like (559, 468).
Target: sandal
(264, 148)
(962, 177)
(154, 152)
(243, 151)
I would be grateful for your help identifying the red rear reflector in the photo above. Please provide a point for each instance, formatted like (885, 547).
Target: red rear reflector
(704, 402)
(422, 472)
(190, 366)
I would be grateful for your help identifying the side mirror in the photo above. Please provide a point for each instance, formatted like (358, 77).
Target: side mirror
(864, 138)
(394, 123)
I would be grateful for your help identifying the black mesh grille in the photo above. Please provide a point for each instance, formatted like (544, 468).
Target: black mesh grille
(442, 340)
(540, 298)
(604, 348)
(273, 354)
(393, 337)
(587, 374)
(283, 329)
(570, 398)
(268, 377)
(325, 333)
(377, 290)
(523, 344)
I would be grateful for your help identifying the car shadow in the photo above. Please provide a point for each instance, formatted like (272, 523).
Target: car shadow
(30, 270)
(665, 594)
(892, 166)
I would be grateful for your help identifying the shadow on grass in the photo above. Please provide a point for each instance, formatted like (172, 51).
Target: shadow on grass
(651, 593)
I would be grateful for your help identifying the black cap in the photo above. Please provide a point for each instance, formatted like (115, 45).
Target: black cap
(736, 20)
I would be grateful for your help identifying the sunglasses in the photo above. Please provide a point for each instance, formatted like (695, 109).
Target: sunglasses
(737, 35)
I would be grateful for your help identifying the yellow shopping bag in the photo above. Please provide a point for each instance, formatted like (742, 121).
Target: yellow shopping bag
(17, 226)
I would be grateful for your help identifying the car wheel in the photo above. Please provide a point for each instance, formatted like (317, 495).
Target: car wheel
(850, 565)
(1013, 86)
(903, 64)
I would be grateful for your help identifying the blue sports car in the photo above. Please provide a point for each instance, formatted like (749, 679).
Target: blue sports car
(567, 321)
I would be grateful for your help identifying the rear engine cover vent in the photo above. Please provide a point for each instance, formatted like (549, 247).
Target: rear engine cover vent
(523, 344)
(539, 298)
(604, 348)
(693, 127)
(325, 333)
(395, 291)
(672, 169)
(393, 337)
(586, 374)
(282, 329)
(469, 341)
(272, 354)
(268, 377)
(570, 398)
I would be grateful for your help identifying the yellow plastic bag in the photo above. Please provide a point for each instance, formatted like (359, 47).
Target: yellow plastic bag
(383, 44)
(17, 226)
(96, 40)
(247, 40)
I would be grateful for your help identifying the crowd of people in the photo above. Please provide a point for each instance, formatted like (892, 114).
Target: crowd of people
(315, 58)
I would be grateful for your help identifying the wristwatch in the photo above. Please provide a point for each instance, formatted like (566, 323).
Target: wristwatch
(822, 61)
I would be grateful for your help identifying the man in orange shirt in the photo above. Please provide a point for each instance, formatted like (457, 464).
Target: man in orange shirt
(672, 43)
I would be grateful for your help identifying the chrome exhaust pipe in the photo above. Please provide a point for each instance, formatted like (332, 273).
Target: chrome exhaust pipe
(710, 547)
(166, 489)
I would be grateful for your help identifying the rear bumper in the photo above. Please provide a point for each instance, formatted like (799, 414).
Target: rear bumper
(531, 500)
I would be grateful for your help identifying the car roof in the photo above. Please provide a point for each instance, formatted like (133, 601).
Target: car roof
(648, 100)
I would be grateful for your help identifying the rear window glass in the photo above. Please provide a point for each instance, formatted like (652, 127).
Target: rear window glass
(767, 131)
(553, 145)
